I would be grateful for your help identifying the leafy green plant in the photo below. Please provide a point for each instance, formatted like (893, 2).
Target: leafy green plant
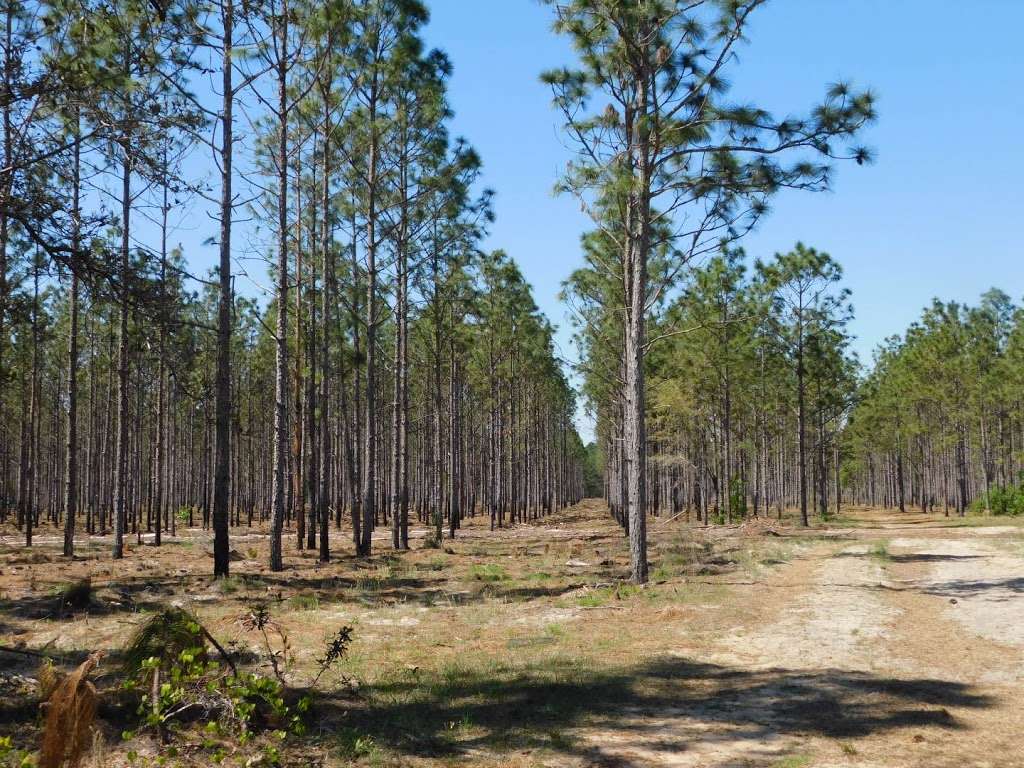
(1008, 501)
(10, 757)
(168, 663)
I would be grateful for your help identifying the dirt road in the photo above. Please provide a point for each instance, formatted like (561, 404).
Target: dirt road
(896, 643)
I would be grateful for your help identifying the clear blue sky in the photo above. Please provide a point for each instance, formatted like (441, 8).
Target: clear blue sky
(936, 215)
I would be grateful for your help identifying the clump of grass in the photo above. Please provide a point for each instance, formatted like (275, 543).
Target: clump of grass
(77, 594)
(353, 745)
(434, 564)
(592, 600)
(793, 761)
(305, 602)
(662, 573)
(598, 597)
(164, 636)
(881, 552)
(685, 554)
(555, 630)
(534, 641)
(228, 585)
(369, 584)
(489, 572)
(538, 576)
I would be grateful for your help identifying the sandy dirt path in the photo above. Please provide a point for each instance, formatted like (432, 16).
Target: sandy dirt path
(899, 646)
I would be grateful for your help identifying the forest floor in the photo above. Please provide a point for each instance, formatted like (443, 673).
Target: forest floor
(880, 640)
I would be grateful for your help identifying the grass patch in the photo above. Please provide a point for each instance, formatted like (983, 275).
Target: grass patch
(880, 552)
(555, 630)
(436, 563)
(352, 745)
(307, 602)
(229, 585)
(535, 641)
(793, 761)
(598, 597)
(489, 572)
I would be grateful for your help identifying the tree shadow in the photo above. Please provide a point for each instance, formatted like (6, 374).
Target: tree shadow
(664, 705)
(926, 558)
(43, 607)
(913, 557)
(993, 589)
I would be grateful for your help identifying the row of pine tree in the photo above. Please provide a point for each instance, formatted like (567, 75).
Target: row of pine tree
(389, 370)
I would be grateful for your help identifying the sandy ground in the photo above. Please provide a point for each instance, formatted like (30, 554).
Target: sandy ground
(869, 651)
(894, 642)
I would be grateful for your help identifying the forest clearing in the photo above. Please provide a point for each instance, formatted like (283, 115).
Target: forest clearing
(563, 383)
(878, 640)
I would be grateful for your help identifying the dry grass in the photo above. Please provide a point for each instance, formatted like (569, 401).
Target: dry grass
(514, 648)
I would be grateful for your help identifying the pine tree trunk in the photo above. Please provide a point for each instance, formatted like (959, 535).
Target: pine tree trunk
(71, 458)
(280, 457)
(222, 385)
(121, 449)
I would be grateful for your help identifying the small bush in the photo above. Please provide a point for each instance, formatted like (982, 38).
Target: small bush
(165, 636)
(169, 667)
(1007, 501)
(738, 498)
(78, 594)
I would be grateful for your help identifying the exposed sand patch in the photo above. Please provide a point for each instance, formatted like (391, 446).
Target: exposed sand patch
(982, 584)
(839, 622)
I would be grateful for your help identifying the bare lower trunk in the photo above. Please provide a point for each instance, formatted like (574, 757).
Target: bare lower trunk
(121, 450)
(281, 362)
(221, 480)
(71, 458)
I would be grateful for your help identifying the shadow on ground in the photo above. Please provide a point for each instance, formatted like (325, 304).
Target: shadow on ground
(667, 705)
(993, 589)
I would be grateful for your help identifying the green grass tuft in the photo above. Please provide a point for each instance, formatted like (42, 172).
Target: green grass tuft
(488, 572)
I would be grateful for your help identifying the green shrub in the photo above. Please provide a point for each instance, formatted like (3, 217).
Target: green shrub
(1002, 501)
(169, 666)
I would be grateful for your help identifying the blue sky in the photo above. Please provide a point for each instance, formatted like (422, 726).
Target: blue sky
(936, 215)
